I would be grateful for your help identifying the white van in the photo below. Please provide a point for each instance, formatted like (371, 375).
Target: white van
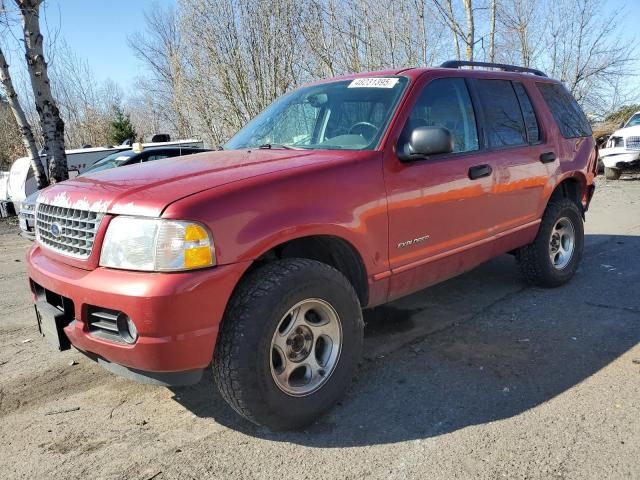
(22, 183)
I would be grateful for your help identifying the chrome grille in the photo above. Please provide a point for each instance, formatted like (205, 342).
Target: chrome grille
(633, 143)
(66, 230)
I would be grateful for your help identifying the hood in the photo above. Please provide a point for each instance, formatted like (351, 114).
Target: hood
(627, 132)
(147, 189)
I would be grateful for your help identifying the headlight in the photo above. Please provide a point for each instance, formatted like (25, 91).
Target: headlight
(153, 244)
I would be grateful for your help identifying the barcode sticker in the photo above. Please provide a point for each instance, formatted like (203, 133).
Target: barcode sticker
(373, 82)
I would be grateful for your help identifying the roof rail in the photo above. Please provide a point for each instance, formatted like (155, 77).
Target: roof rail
(501, 66)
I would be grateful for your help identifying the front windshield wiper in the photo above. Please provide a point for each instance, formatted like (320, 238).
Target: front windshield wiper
(270, 146)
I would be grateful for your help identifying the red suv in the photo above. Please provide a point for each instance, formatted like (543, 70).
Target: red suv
(342, 195)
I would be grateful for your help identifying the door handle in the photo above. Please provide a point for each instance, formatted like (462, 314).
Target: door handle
(547, 157)
(480, 171)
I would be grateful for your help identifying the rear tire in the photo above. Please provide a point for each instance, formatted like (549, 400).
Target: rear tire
(554, 256)
(612, 173)
(289, 343)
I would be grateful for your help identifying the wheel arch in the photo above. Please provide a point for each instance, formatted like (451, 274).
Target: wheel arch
(573, 187)
(332, 250)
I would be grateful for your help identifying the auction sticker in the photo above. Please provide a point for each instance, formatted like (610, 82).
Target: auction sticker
(374, 82)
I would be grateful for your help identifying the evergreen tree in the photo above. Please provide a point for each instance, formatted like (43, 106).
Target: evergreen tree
(121, 127)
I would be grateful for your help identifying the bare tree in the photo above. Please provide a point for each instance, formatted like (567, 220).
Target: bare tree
(11, 145)
(467, 34)
(470, 35)
(520, 25)
(449, 16)
(211, 73)
(584, 51)
(51, 123)
(86, 106)
(25, 129)
(159, 47)
(492, 34)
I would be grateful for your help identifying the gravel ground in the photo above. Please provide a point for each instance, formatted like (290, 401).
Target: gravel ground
(479, 377)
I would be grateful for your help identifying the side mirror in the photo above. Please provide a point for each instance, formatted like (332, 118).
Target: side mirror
(621, 125)
(426, 141)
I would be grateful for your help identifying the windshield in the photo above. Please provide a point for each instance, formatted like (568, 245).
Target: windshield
(633, 121)
(348, 114)
(112, 161)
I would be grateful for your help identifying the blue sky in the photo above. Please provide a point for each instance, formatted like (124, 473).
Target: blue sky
(97, 31)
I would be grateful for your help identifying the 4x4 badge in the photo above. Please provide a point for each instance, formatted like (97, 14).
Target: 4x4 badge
(408, 243)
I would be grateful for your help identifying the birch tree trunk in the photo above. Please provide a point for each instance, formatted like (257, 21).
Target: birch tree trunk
(25, 129)
(470, 37)
(454, 29)
(48, 112)
(492, 34)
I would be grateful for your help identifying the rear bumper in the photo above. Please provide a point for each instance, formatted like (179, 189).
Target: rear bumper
(177, 315)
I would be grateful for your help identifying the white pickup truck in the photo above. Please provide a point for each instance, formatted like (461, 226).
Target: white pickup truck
(622, 151)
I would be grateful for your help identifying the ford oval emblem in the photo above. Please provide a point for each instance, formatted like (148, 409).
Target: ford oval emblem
(56, 229)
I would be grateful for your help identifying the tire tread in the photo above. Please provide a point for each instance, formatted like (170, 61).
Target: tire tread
(262, 282)
(531, 257)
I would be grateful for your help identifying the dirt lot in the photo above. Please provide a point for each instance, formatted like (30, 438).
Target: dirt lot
(479, 377)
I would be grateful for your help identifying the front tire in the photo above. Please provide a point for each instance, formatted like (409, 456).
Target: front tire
(289, 344)
(612, 173)
(554, 256)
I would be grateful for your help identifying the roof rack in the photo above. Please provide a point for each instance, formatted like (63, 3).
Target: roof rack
(501, 66)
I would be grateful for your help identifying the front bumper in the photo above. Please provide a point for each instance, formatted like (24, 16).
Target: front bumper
(27, 225)
(177, 315)
(620, 158)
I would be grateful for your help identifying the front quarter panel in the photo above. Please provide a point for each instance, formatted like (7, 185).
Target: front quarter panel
(343, 196)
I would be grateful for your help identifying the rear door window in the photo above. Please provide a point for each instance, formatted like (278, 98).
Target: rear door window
(445, 102)
(529, 114)
(570, 118)
(503, 117)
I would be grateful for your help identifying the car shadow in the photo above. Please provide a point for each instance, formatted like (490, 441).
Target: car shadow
(515, 348)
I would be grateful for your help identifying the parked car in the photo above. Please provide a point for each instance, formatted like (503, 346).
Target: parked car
(622, 150)
(139, 155)
(342, 195)
(118, 159)
(22, 183)
(27, 216)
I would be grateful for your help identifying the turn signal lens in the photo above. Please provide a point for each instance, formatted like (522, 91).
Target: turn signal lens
(197, 257)
(195, 233)
(197, 248)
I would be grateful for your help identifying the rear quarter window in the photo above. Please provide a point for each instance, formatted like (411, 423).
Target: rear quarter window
(570, 118)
